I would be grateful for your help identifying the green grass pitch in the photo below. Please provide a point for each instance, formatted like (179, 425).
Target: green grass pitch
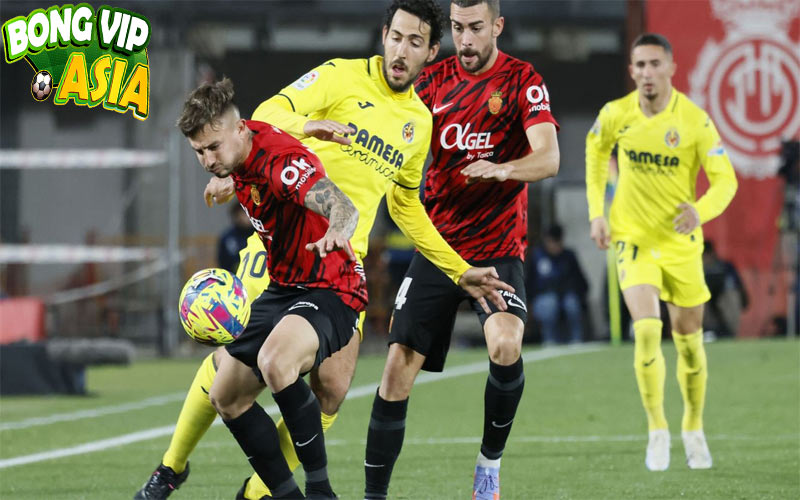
(580, 432)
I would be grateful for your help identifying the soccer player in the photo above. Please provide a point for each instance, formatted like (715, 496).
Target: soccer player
(492, 133)
(662, 138)
(383, 153)
(317, 288)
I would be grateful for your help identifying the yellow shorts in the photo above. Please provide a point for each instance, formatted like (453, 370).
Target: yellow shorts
(680, 279)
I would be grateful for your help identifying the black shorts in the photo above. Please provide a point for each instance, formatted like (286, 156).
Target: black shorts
(333, 321)
(427, 302)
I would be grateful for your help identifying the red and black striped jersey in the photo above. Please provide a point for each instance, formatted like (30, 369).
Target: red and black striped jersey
(271, 187)
(480, 117)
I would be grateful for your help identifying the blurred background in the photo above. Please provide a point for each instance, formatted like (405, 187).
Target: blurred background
(102, 217)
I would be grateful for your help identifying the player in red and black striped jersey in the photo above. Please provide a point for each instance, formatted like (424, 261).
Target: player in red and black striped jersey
(493, 132)
(271, 186)
(317, 289)
(481, 117)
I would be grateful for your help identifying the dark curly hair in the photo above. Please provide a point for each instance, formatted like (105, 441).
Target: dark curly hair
(428, 11)
(206, 104)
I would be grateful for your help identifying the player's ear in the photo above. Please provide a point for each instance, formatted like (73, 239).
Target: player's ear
(433, 50)
(497, 26)
(383, 36)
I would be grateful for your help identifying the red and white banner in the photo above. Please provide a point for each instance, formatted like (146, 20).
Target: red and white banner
(740, 61)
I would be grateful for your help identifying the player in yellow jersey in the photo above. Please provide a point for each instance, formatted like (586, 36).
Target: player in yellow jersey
(372, 133)
(663, 139)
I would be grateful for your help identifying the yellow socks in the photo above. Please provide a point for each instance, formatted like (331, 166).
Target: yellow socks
(256, 488)
(648, 363)
(195, 418)
(692, 377)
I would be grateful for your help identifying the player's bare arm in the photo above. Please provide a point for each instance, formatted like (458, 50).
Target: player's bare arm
(219, 190)
(540, 164)
(599, 232)
(328, 130)
(329, 201)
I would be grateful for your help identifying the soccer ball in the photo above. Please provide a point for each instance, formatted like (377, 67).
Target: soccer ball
(42, 85)
(214, 307)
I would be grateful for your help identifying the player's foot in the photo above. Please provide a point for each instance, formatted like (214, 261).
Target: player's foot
(658, 450)
(240, 494)
(486, 485)
(162, 483)
(698, 455)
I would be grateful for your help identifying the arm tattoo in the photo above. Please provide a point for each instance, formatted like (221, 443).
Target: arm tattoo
(329, 201)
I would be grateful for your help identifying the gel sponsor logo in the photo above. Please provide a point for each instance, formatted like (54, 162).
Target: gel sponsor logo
(374, 143)
(456, 136)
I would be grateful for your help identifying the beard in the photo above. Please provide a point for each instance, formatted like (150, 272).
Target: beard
(399, 86)
(483, 58)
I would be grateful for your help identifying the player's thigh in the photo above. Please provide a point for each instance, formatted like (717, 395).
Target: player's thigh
(235, 387)
(290, 349)
(640, 278)
(425, 312)
(331, 380)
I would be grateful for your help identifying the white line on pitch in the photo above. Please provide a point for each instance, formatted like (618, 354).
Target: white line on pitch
(355, 392)
(529, 439)
(93, 412)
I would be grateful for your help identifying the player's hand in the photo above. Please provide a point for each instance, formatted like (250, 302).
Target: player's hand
(687, 219)
(482, 283)
(329, 243)
(328, 130)
(219, 191)
(600, 233)
(486, 171)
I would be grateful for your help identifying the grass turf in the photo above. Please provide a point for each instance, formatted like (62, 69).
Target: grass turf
(580, 432)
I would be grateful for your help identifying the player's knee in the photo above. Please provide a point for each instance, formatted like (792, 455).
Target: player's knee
(278, 371)
(228, 407)
(505, 348)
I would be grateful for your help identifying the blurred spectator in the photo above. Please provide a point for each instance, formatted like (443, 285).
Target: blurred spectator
(557, 288)
(233, 239)
(728, 295)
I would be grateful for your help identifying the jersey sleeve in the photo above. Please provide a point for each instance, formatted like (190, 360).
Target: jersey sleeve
(721, 176)
(277, 110)
(534, 99)
(406, 210)
(599, 143)
(293, 173)
(315, 91)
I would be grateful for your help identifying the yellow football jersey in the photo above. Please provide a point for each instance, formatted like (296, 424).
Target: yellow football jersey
(252, 268)
(658, 159)
(387, 152)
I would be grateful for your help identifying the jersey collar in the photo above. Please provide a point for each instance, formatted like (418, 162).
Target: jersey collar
(673, 99)
(498, 63)
(375, 70)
